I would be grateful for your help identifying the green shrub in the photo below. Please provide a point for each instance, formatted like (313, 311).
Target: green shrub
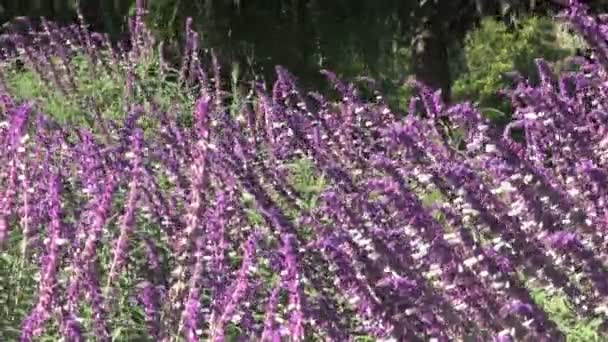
(494, 49)
(89, 88)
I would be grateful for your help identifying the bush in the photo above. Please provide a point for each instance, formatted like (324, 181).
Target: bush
(494, 50)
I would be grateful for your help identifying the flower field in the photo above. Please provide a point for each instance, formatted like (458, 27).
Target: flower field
(141, 202)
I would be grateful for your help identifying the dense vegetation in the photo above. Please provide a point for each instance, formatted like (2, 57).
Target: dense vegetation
(145, 202)
(384, 40)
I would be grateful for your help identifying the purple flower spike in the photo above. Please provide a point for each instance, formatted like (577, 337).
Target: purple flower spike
(291, 279)
(564, 240)
(271, 331)
(516, 307)
(238, 291)
(51, 262)
(191, 317)
(149, 298)
(128, 219)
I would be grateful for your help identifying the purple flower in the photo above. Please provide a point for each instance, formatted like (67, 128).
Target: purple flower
(191, 316)
(291, 279)
(236, 293)
(149, 299)
(271, 331)
(516, 307)
(563, 240)
(128, 219)
(47, 295)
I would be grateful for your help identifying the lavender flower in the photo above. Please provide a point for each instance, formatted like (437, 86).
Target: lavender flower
(409, 237)
(237, 292)
(149, 298)
(296, 320)
(43, 309)
(128, 220)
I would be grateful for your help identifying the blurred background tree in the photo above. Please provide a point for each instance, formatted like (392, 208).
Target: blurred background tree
(388, 40)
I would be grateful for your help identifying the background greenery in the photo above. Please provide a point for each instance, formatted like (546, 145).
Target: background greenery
(439, 42)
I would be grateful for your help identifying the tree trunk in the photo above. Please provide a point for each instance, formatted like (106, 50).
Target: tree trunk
(430, 63)
(92, 13)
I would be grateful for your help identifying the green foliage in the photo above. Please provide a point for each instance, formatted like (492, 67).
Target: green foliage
(559, 309)
(494, 49)
(104, 89)
(27, 85)
(17, 288)
(307, 183)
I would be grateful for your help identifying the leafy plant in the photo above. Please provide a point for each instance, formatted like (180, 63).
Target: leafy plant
(495, 50)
